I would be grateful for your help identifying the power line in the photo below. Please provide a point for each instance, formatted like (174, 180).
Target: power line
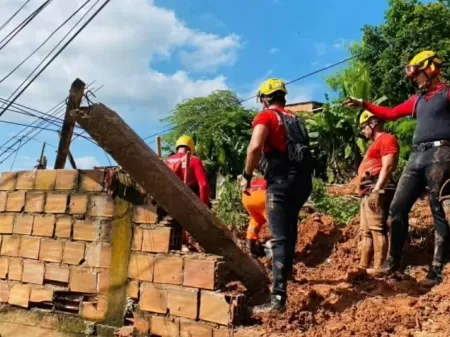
(14, 15)
(54, 57)
(46, 40)
(23, 24)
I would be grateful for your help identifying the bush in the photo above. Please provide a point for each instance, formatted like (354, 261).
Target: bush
(342, 209)
(229, 207)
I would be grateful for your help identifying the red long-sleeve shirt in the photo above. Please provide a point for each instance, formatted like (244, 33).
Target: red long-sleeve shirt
(196, 175)
(404, 109)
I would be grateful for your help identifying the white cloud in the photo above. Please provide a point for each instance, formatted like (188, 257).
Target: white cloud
(273, 50)
(320, 48)
(118, 50)
(341, 43)
(87, 162)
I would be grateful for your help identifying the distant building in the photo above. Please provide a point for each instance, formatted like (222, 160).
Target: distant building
(311, 106)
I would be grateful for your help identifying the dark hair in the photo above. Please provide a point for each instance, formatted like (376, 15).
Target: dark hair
(278, 97)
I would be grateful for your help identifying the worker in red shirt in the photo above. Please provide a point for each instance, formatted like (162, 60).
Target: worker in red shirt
(255, 204)
(280, 146)
(429, 164)
(196, 179)
(377, 191)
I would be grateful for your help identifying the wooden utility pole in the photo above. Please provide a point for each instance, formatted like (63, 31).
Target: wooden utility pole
(158, 146)
(71, 160)
(42, 161)
(73, 102)
(109, 130)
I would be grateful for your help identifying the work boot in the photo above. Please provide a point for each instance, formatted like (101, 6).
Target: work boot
(366, 252)
(434, 276)
(277, 305)
(380, 250)
(393, 265)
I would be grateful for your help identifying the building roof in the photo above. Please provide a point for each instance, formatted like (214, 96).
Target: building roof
(304, 103)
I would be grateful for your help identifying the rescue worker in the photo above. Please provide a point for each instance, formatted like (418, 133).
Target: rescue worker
(196, 180)
(377, 190)
(280, 146)
(429, 163)
(255, 204)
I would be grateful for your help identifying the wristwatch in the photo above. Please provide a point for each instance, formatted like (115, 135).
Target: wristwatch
(247, 176)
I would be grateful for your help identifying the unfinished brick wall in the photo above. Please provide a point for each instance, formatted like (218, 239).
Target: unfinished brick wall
(56, 253)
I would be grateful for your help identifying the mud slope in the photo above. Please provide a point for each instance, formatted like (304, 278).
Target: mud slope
(329, 297)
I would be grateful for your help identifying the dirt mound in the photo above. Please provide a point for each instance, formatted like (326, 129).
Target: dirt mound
(330, 297)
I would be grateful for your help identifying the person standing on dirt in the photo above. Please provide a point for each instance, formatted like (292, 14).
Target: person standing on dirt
(255, 204)
(280, 146)
(376, 190)
(429, 163)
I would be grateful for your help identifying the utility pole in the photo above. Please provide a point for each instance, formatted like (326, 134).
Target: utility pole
(42, 161)
(73, 102)
(71, 160)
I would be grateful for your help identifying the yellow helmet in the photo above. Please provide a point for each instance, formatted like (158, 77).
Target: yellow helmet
(186, 141)
(422, 61)
(270, 86)
(365, 116)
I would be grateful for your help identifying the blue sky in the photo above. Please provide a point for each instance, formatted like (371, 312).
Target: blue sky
(188, 48)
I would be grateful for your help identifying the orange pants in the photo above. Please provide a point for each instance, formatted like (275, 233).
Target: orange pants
(255, 204)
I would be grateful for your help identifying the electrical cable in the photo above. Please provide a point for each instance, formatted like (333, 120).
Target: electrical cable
(53, 58)
(14, 15)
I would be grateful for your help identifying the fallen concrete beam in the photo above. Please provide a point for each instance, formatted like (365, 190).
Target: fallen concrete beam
(110, 131)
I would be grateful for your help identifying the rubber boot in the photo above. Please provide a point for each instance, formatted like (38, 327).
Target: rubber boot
(434, 276)
(366, 252)
(380, 251)
(276, 306)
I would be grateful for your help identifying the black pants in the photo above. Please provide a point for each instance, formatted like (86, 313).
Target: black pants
(428, 168)
(287, 191)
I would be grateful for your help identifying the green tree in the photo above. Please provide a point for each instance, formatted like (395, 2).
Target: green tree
(410, 26)
(221, 128)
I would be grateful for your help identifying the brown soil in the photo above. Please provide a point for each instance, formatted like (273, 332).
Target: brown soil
(330, 297)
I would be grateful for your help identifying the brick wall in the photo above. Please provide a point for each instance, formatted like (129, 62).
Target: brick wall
(56, 248)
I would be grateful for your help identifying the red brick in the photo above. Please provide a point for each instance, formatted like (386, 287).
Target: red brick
(85, 230)
(3, 197)
(33, 272)
(156, 240)
(44, 225)
(189, 329)
(8, 181)
(39, 295)
(4, 292)
(23, 224)
(199, 273)
(83, 281)
(56, 202)
(63, 227)
(66, 180)
(141, 324)
(19, 295)
(4, 265)
(182, 302)
(215, 308)
(221, 333)
(141, 267)
(94, 311)
(153, 298)
(162, 326)
(25, 180)
(133, 289)
(136, 244)
(15, 270)
(101, 206)
(103, 281)
(145, 214)
(10, 245)
(98, 255)
(45, 180)
(73, 253)
(168, 269)
(29, 247)
(91, 180)
(78, 203)
(35, 202)
(15, 201)
(51, 250)
(6, 223)
(56, 273)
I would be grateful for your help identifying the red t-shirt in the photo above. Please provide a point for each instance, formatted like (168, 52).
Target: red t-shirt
(277, 135)
(258, 184)
(372, 162)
